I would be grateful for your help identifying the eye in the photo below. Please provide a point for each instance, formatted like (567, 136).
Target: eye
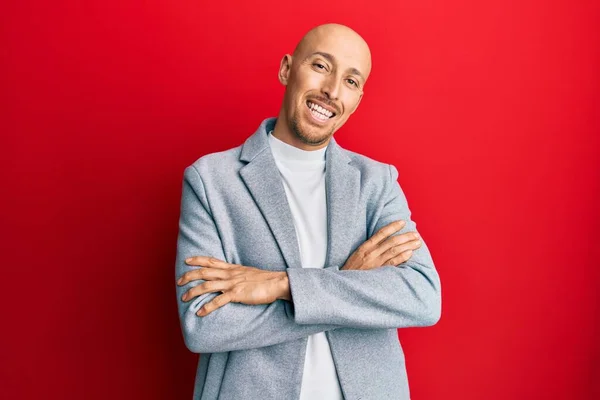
(319, 66)
(352, 82)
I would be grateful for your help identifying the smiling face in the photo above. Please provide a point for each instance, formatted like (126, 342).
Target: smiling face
(324, 84)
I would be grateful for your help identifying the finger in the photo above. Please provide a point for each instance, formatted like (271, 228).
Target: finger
(207, 274)
(210, 262)
(396, 252)
(400, 258)
(382, 234)
(214, 304)
(197, 260)
(206, 287)
(393, 241)
(189, 276)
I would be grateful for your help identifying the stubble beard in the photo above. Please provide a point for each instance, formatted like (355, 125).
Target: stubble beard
(307, 138)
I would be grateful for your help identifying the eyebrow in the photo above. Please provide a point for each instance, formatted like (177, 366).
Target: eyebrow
(331, 59)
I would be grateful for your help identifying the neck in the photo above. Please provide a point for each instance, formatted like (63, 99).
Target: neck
(284, 133)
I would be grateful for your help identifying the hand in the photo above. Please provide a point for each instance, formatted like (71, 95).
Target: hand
(383, 249)
(238, 283)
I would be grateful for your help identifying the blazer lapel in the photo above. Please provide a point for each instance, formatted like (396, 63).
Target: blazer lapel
(343, 189)
(262, 178)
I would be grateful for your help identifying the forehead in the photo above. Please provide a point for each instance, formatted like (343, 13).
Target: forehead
(348, 50)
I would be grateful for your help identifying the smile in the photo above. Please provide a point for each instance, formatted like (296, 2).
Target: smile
(320, 113)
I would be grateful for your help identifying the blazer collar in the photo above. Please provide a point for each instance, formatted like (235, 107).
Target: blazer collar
(263, 180)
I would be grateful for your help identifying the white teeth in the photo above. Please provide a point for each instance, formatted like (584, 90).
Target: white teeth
(319, 115)
(316, 109)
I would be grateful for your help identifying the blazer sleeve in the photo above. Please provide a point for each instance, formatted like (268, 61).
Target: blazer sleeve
(234, 326)
(406, 295)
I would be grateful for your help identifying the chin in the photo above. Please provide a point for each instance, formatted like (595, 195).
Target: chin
(311, 135)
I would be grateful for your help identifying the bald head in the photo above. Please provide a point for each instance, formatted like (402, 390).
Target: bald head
(324, 80)
(347, 41)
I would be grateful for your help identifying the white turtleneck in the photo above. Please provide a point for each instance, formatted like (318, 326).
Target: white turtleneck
(303, 175)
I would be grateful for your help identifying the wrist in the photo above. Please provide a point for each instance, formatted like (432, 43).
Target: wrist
(283, 287)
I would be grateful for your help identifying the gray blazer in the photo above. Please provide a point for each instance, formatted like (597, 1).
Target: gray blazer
(234, 208)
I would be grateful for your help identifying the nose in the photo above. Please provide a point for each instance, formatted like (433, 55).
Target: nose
(331, 87)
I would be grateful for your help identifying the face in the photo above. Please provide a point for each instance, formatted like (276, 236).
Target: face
(324, 85)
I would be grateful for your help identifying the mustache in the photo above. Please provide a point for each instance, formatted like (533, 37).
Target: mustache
(328, 102)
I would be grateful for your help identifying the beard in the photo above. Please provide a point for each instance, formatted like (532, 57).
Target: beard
(308, 135)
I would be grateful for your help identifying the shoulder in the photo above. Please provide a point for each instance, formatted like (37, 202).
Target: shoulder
(378, 180)
(215, 166)
(372, 170)
(214, 162)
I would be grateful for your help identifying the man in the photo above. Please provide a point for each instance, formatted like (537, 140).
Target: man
(297, 259)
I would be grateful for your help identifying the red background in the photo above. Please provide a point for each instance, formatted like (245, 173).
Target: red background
(489, 110)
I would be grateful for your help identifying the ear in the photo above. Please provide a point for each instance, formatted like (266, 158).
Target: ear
(284, 69)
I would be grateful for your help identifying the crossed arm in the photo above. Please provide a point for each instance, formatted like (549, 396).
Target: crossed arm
(249, 285)
(389, 282)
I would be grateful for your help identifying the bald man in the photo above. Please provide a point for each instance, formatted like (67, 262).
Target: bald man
(297, 260)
